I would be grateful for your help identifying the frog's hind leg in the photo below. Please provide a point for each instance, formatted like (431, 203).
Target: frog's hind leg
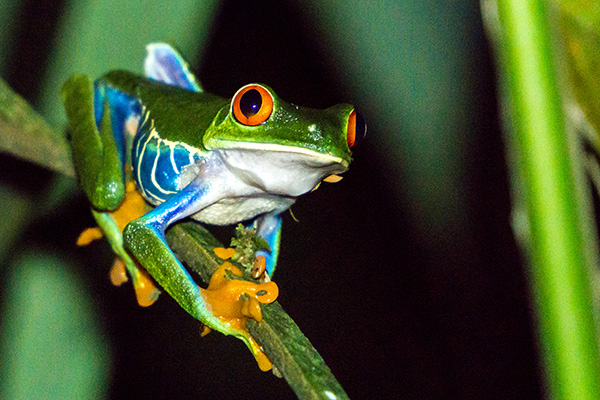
(164, 64)
(96, 148)
(99, 122)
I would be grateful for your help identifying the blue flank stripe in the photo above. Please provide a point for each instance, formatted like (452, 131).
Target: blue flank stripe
(121, 106)
(158, 163)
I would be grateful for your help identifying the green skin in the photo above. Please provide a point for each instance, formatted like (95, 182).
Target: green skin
(283, 158)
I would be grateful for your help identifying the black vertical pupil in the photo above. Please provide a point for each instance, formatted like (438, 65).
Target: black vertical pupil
(361, 128)
(250, 103)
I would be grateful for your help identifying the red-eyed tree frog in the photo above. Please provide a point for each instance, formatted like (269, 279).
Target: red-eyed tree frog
(193, 154)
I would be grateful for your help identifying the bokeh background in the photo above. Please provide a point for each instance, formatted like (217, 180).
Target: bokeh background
(405, 275)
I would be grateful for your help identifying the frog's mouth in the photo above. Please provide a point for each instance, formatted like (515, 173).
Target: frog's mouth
(281, 170)
(319, 158)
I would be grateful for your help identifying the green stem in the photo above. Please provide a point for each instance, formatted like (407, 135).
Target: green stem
(560, 274)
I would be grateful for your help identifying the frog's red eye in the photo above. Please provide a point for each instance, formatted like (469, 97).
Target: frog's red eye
(252, 105)
(357, 129)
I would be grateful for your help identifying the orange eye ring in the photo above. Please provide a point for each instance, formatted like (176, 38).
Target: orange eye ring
(252, 105)
(351, 129)
(357, 129)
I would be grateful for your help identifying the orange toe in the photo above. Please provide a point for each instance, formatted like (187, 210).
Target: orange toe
(146, 291)
(118, 275)
(88, 236)
(224, 253)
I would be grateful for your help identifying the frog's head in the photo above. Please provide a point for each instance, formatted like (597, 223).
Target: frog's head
(289, 149)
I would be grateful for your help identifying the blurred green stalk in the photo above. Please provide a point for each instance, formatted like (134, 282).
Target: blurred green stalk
(560, 274)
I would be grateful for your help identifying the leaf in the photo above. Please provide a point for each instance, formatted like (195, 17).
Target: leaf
(25, 134)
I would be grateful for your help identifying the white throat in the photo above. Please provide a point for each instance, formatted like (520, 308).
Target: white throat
(280, 172)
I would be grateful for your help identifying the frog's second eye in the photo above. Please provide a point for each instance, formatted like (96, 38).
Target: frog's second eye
(252, 105)
(357, 129)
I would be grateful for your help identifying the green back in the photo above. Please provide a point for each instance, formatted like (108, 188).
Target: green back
(179, 115)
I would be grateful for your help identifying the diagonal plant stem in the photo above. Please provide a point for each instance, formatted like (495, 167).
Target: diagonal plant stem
(25, 134)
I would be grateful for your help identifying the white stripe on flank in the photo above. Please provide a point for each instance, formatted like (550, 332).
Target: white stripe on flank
(146, 115)
(192, 151)
(161, 200)
(172, 150)
(153, 135)
(139, 164)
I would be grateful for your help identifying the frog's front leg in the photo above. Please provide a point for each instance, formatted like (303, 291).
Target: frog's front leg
(268, 226)
(145, 239)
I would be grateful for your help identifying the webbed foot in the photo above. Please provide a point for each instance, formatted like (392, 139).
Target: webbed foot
(237, 299)
(259, 266)
(233, 301)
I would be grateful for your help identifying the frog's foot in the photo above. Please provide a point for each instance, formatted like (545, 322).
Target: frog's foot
(111, 224)
(204, 330)
(224, 253)
(132, 207)
(232, 302)
(258, 268)
(236, 299)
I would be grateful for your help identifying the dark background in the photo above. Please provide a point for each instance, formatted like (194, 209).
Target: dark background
(405, 275)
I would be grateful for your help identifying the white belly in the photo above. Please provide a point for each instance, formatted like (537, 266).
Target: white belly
(233, 210)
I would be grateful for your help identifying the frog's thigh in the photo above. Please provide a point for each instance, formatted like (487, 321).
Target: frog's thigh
(95, 148)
